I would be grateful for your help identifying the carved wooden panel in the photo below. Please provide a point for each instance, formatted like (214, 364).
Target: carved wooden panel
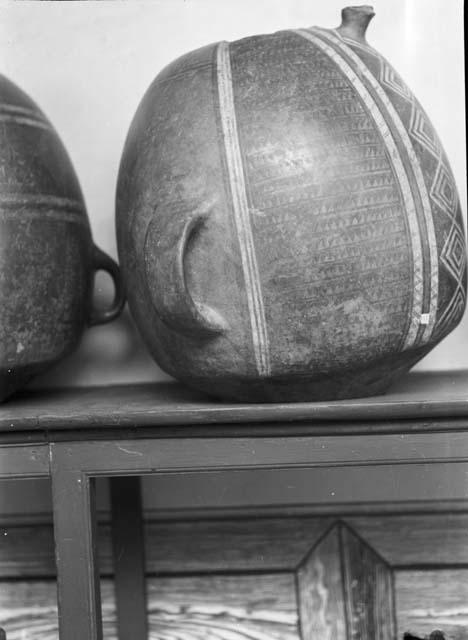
(345, 590)
(320, 591)
(249, 544)
(265, 578)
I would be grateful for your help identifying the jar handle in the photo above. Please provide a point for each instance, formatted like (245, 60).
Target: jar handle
(165, 249)
(103, 262)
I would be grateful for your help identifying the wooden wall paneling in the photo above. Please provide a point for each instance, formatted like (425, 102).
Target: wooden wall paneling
(213, 556)
(261, 607)
(345, 590)
(428, 600)
(273, 544)
(417, 540)
(28, 610)
(27, 551)
(279, 544)
(234, 607)
(425, 600)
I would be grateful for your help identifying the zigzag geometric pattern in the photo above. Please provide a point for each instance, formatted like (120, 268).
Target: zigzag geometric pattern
(453, 257)
(389, 78)
(453, 253)
(422, 133)
(442, 192)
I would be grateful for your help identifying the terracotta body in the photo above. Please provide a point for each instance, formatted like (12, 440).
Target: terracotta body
(47, 257)
(288, 224)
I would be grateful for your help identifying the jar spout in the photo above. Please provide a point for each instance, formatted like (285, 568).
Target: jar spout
(354, 22)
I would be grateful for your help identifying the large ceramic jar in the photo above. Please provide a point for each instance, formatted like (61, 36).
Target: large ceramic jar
(47, 257)
(288, 224)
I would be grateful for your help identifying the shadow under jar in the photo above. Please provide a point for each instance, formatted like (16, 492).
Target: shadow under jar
(288, 223)
(47, 257)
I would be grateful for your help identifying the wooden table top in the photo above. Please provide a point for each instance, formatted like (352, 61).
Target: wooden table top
(418, 397)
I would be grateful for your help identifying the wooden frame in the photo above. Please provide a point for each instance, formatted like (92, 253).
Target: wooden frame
(75, 465)
(333, 462)
(24, 461)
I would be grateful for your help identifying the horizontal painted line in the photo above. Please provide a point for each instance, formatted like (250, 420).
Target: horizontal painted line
(12, 200)
(59, 216)
(26, 111)
(23, 120)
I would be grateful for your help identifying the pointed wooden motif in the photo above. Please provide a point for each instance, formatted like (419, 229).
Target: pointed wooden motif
(345, 590)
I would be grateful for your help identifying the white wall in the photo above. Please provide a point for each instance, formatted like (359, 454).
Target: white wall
(87, 65)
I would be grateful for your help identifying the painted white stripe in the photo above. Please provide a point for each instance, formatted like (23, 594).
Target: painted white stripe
(48, 214)
(34, 200)
(399, 171)
(241, 211)
(19, 119)
(19, 206)
(25, 111)
(416, 166)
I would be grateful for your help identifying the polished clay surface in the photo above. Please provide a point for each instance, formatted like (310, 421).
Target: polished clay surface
(47, 257)
(288, 223)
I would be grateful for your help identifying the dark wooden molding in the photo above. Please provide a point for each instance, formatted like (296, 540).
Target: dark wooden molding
(419, 397)
(20, 461)
(128, 542)
(79, 595)
(350, 509)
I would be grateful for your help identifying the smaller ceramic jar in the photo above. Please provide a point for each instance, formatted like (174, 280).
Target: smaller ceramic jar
(47, 256)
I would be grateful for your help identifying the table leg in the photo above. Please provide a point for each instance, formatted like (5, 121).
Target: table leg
(79, 600)
(129, 557)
